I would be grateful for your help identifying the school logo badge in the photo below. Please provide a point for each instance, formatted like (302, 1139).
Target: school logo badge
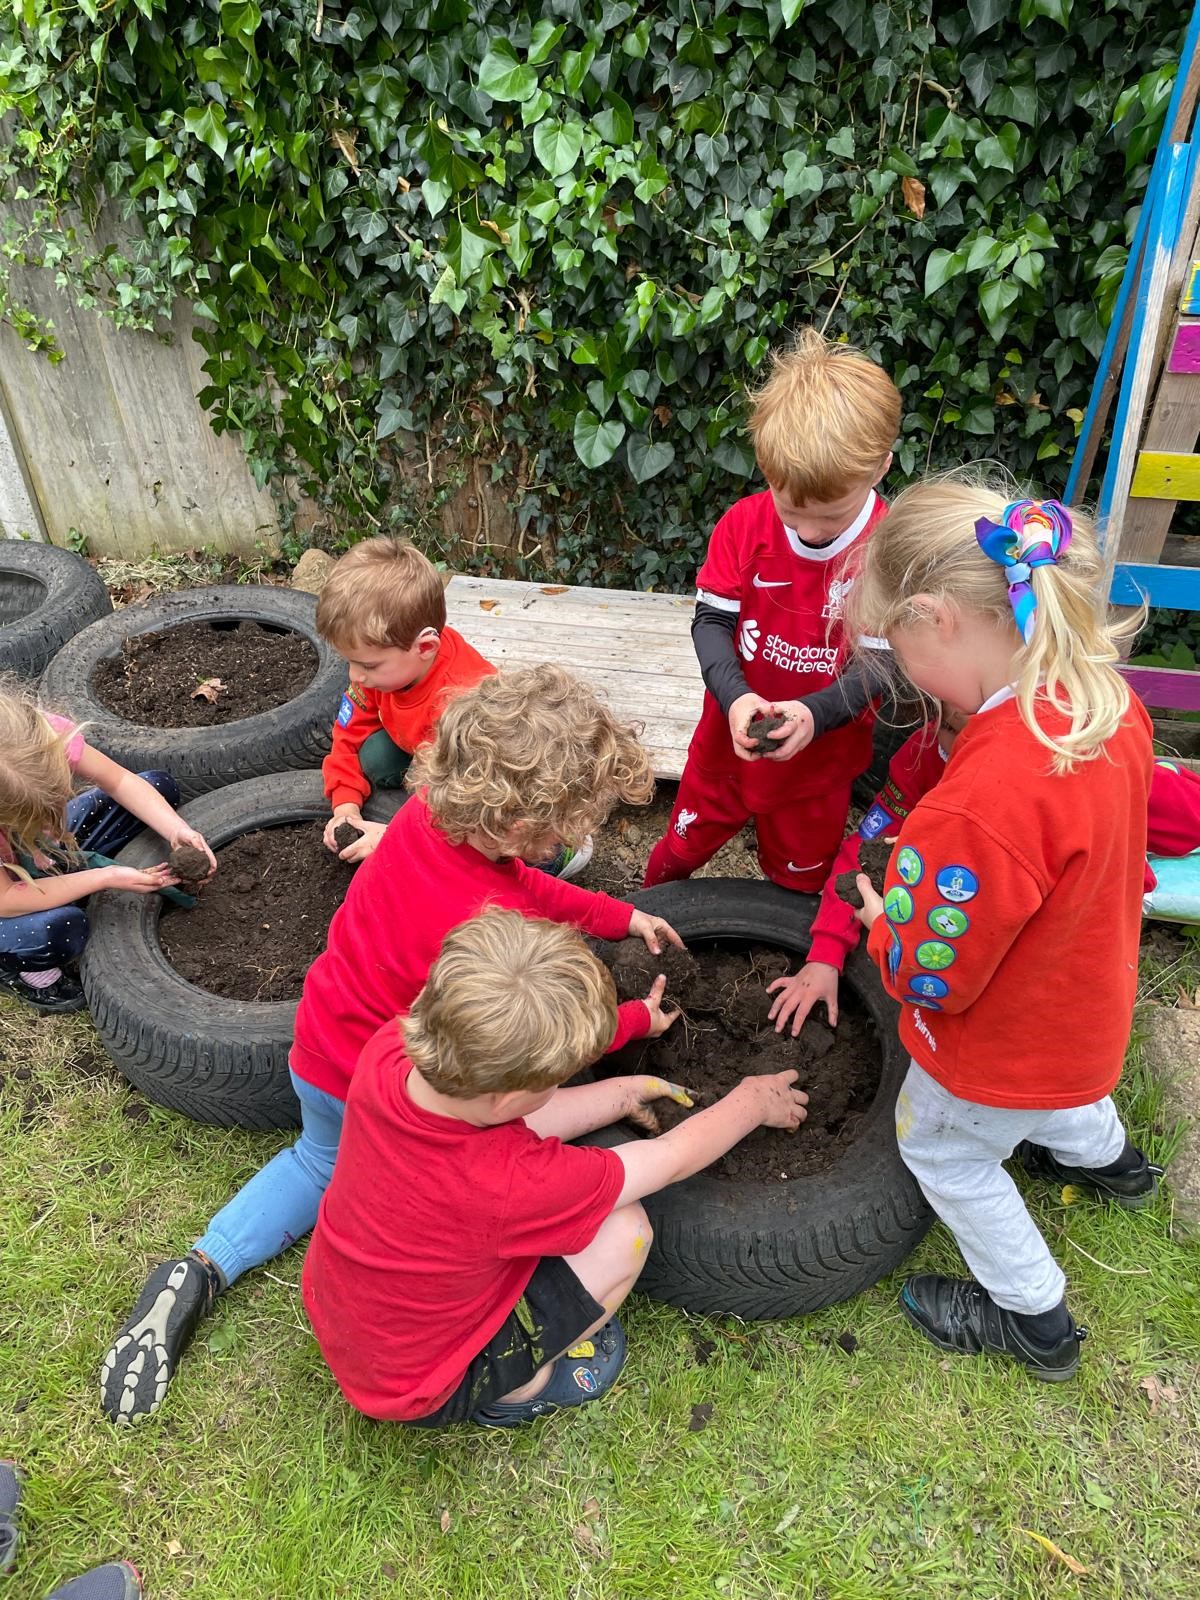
(345, 711)
(750, 636)
(835, 599)
(684, 821)
(875, 821)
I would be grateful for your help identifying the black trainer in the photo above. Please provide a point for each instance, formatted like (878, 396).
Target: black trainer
(115, 1580)
(1132, 1189)
(11, 1479)
(145, 1353)
(56, 999)
(959, 1315)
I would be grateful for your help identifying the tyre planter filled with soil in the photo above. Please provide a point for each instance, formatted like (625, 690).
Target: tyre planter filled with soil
(786, 1223)
(46, 596)
(213, 685)
(197, 1008)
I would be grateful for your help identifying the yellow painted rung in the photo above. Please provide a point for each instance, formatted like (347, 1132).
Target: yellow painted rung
(1166, 475)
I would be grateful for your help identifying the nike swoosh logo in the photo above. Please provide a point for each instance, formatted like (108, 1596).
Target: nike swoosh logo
(792, 867)
(771, 583)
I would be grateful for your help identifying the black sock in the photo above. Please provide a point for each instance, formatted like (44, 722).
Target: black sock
(1129, 1158)
(1046, 1327)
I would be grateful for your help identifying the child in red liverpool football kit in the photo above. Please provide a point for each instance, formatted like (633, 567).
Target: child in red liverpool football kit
(1009, 925)
(383, 608)
(521, 764)
(467, 1261)
(768, 625)
(1173, 830)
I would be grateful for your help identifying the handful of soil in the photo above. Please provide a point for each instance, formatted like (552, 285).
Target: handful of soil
(873, 857)
(189, 864)
(346, 834)
(634, 969)
(761, 725)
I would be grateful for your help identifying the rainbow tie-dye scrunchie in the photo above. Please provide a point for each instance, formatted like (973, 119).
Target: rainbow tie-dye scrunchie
(1030, 533)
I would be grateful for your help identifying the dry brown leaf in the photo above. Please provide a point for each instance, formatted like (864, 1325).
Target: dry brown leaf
(586, 1540)
(444, 1522)
(590, 1509)
(209, 690)
(1189, 1002)
(174, 1548)
(345, 142)
(488, 605)
(1051, 1549)
(663, 414)
(555, 588)
(402, 184)
(914, 196)
(1159, 1393)
(496, 229)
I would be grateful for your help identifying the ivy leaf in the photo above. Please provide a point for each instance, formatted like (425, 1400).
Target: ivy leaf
(208, 125)
(542, 41)
(595, 441)
(558, 145)
(986, 14)
(940, 267)
(842, 143)
(1057, 10)
(503, 77)
(240, 18)
(614, 122)
(392, 417)
(791, 10)
(1000, 152)
(646, 458)
(995, 298)
(799, 179)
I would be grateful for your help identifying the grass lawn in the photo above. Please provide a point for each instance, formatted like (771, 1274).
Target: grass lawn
(836, 1457)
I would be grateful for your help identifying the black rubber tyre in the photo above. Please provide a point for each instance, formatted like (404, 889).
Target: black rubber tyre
(216, 1060)
(291, 737)
(780, 1250)
(46, 596)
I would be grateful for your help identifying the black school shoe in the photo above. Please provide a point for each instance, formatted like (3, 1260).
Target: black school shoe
(1132, 1189)
(115, 1580)
(142, 1360)
(57, 999)
(958, 1314)
(11, 1479)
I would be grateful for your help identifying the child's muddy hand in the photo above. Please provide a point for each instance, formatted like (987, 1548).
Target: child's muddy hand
(135, 881)
(872, 902)
(653, 930)
(370, 835)
(815, 984)
(660, 1019)
(740, 712)
(197, 841)
(778, 1102)
(643, 1092)
(795, 734)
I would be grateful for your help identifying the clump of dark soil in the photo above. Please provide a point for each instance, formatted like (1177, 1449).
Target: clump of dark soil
(761, 725)
(725, 1035)
(873, 858)
(245, 667)
(634, 970)
(346, 834)
(263, 920)
(189, 864)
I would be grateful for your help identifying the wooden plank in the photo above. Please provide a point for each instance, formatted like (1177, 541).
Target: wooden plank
(1174, 426)
(1176, 587)
(1162, 686)
(1185, 351)
(1165, 475)
(1189, 302)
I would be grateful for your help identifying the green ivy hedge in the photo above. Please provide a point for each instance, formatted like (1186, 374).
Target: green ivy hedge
(561, 237)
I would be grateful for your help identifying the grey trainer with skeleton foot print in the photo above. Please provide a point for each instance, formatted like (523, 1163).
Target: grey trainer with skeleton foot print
(142, 1359)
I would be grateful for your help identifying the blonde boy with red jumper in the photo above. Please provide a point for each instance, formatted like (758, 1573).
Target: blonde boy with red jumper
(1009, 925)
(383, 608)
(768, 626)
(522, 764)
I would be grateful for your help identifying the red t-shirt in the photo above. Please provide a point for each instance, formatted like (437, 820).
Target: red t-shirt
(789, 639)
(408, 715)
(429, 1234)
(1174, 821)
(1012, 914)
(387, 933)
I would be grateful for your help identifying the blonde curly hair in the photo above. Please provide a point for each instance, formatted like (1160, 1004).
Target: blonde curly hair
(530, 752)
(35, 776)
(511, 1003)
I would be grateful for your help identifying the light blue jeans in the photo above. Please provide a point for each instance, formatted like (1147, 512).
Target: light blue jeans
(279, 1204)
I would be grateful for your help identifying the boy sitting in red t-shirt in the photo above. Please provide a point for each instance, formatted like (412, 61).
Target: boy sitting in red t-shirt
(467, 1262)
(383, 607)
(768, 625)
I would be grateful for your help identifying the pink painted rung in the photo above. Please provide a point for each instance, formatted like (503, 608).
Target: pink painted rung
(1185, 353)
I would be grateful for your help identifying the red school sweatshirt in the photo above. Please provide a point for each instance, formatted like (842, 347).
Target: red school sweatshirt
(387, 933)
(1012, 913)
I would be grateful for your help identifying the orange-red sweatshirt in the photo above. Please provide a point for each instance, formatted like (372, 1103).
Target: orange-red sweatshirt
(1012, 912)
(408, 715)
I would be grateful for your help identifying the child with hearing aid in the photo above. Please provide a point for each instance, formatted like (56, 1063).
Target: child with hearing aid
(468, 1263)
(521, 765)
(1009, 924)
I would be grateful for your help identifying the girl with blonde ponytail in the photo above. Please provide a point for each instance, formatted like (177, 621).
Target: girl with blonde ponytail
(1009, 924)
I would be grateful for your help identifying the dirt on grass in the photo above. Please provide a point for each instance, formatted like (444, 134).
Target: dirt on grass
(202, 674)
(724, 1035)
(262, 921)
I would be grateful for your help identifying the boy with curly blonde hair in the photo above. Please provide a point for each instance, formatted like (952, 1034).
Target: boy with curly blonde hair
(383, 608)
(468, 1261)
(520, 765)
(768, 630)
